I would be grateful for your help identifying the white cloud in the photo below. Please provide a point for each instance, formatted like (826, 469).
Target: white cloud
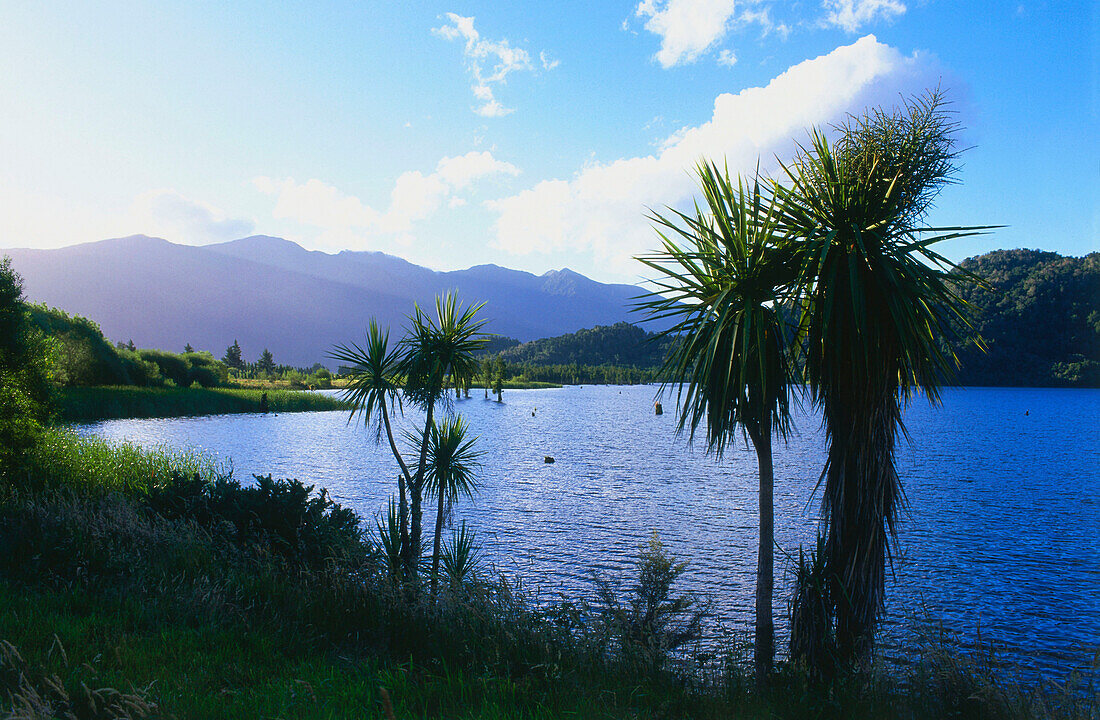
(548, 63)
(489, 62)
(168, 214)
(727, 58)
(30, 219)
(851, 15)
(414, 197)
(601, 210)
(690, 28)
(687, 28)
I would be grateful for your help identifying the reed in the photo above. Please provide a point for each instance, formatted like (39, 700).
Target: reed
(67, 460)
(86, 404)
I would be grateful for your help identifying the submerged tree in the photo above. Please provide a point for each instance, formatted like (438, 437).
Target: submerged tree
(721, 275)
(879, 309)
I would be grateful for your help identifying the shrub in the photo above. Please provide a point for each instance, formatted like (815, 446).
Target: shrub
(26, 394)
(651, 624)
(172, 366)
(283, 517)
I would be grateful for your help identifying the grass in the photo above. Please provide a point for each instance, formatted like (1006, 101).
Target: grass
(89, 464)
(152, 591)
(84, 404)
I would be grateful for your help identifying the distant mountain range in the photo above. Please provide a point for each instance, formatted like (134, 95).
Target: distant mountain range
(269, 292)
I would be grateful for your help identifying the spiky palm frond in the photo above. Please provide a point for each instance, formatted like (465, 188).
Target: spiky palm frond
(721, 278)
(453, 460)
(372, 379)
(441, 346)
(878, 313)
(461, 557)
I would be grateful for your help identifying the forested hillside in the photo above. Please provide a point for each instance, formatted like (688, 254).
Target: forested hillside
(619, 344)
(1039, 315)
(1040, 318)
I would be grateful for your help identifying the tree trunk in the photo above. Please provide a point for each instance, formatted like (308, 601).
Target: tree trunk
(403, 480)
(764, 645)
(435, 545)
(417, 492)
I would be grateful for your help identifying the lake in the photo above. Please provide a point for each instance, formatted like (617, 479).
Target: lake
(1001, 541)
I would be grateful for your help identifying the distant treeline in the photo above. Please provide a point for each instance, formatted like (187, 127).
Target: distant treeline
(1039, 315)
(83, 357)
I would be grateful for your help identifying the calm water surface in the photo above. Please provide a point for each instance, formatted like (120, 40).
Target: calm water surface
(1002, 539)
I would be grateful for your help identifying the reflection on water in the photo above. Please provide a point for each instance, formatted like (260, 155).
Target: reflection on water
(1003, 532)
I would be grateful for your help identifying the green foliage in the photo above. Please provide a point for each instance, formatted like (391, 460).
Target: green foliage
(233, 357)
(451, 465)
(879, 314)
(461, 557)
(621, 344)
(81, 404)
(26, 366)
(84, 356)
(172, 366)
(722, 273)
(283, 517)
(266, 363)
(651, 625)
(101, 591)
(1039, 316)
(205, 370)
(386, 538)
(66, 460)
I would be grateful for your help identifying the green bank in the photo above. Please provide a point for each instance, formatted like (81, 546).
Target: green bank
(84, 404)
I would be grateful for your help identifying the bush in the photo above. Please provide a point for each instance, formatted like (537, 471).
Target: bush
(26, 394)
(172, 366)
(284, 517)
(651, 624)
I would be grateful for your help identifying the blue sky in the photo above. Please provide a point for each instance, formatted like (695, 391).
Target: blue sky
(528, 135)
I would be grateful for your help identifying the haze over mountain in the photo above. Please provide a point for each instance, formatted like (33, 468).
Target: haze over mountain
(269, 292)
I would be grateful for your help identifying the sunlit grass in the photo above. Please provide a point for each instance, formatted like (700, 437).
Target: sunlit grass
(102, 403)
(65, 459)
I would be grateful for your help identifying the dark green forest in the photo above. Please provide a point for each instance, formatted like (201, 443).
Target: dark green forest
(1040, 318)
(1038, 313)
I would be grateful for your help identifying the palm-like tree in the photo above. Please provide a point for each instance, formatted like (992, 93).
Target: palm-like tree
(721, 274)
(433, 348)
(374, 393)
(452, 462)
(878, 307)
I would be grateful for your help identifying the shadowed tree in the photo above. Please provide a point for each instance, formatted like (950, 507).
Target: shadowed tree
(879, 310)
(452, 461)
(433, 348)
(266, 363)
(233, 356)
(721, 275)
(374, 393)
